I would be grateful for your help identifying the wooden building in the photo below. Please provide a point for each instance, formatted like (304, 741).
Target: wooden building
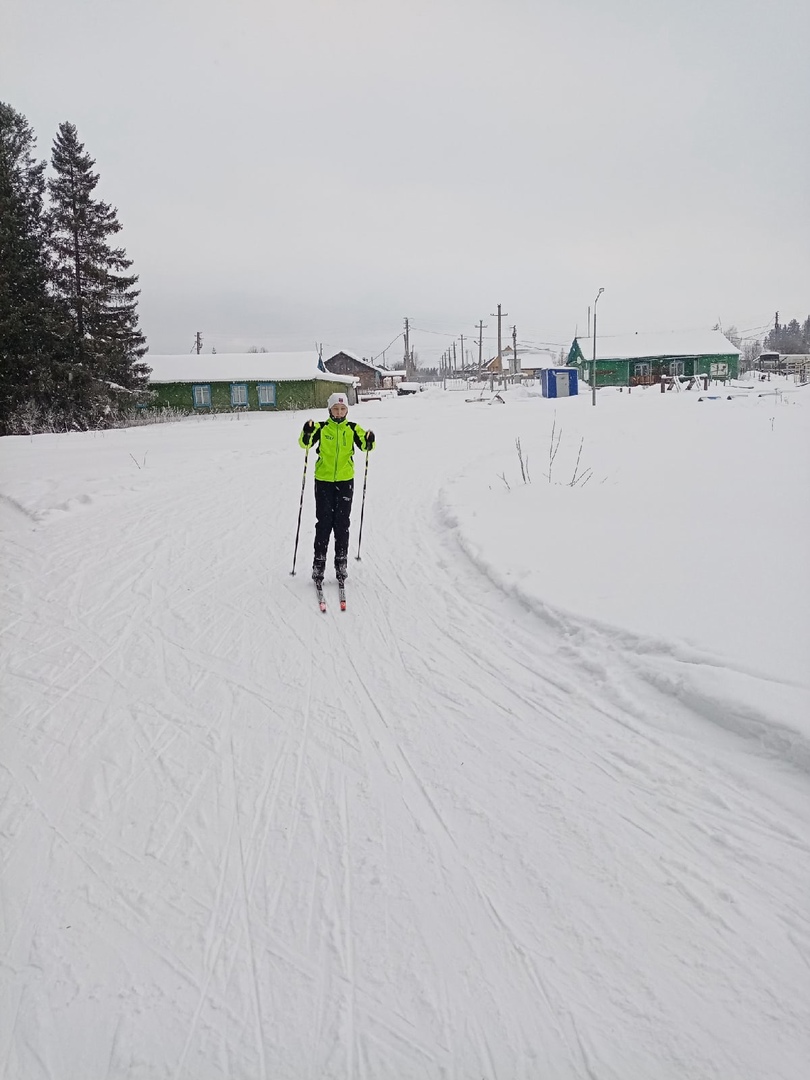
(368, 376)
(643, 359)
(226, 382)
(531, 361)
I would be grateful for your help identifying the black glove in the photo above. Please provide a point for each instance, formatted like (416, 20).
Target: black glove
(369, 440)
(306, 434)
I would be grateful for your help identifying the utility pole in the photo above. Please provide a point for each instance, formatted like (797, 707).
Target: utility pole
(480, 345)
(462, 354)
(593, 366)
(198, 342)
(589, 321)
(454, 357)
(514, 349)
(500, 315)
(407, 353)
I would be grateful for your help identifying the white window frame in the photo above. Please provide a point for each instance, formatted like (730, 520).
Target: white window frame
(676, 367)
(642, 368)
(201, 395)
(239, 395)
(719, 369)
(267, 393)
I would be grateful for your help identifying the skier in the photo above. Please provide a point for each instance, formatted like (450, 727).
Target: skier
(336, 439)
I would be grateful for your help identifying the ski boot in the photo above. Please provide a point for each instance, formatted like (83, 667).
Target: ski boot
(318, 568)
(341, 568)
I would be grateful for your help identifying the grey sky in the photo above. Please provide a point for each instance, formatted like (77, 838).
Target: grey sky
(316, 170)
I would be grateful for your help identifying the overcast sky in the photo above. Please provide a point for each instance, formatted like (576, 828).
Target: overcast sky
(317, 170)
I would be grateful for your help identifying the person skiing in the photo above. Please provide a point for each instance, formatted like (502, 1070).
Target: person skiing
(336, 439)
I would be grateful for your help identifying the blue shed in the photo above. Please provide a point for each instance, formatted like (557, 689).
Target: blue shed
(559, 382)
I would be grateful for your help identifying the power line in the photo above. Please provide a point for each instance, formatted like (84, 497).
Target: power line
(755, 329)
(545, 344)
(440, 333)
(388, 346)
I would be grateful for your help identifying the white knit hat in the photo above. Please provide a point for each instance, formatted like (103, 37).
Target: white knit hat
(337, 399)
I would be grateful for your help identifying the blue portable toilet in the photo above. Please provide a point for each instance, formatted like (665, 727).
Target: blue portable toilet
(559, 382)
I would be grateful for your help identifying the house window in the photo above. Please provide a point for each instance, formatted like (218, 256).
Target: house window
(202, 397)
(719, 370)
(239, 394)
(676, 367)
(641, 369)
(267, 393)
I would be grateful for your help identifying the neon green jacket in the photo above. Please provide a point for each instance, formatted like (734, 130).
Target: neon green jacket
(336, 443)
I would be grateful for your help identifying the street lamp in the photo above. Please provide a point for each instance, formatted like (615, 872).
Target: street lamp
(593, 365)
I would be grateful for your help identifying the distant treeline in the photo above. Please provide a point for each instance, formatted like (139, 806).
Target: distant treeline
(70, 347)
(792, 338)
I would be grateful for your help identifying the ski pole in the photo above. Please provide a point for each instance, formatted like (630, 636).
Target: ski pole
(300, 508)
(362, 509)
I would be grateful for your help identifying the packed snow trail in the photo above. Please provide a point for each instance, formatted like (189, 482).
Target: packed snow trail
(434, 836)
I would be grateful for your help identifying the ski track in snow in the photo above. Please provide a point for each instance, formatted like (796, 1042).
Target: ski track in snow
(443, 835)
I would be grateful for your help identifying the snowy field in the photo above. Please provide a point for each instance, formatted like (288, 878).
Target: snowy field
(535, 806)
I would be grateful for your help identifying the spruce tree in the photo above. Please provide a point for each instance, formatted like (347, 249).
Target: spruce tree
(789, 339)
(90, 279)
(29, 341)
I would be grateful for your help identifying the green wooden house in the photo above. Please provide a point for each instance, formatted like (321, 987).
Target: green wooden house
(643, 359)
(227, 382)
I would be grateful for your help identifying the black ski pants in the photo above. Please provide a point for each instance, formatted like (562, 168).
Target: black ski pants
(333, 509)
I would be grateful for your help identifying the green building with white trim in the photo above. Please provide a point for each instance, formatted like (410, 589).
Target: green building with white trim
(642, 359)
(230, 382)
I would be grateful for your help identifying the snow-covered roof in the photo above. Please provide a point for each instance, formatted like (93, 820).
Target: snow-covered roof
(366, 363)
(351, 356)
(346, 352)
(674, 343)
(534, 359)
(230, 367)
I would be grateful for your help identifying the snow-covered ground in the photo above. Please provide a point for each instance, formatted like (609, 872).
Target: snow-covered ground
(536, 805)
